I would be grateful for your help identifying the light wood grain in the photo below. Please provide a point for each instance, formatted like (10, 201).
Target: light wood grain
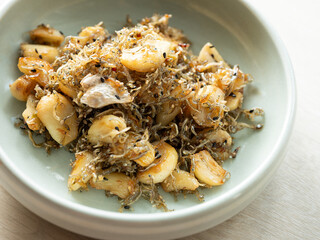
(289, 208)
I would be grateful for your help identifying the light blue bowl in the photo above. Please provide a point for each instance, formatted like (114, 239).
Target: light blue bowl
(39, 181)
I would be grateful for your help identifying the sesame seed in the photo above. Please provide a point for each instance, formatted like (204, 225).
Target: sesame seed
(232, 94)
(157, 155)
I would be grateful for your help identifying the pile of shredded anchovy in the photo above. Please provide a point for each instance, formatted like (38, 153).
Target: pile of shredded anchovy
(177, 84)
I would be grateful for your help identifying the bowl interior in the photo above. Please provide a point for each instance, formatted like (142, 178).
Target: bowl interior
(229, 25)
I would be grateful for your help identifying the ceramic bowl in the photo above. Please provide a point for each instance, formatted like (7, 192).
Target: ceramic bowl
(39, 181)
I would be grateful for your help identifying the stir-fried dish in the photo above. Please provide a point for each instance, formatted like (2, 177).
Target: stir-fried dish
(136, 107)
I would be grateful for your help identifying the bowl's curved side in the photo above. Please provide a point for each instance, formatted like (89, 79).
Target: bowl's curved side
(103, 228)
(103, 224)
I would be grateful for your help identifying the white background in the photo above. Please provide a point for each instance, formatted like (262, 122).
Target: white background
(289, 208)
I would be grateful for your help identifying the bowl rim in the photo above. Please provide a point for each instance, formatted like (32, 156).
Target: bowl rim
(225, 198)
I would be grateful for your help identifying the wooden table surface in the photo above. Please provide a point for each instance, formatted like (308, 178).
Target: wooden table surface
(289, 208)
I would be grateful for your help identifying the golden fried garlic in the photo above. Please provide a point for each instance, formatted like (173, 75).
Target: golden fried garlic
(44, 52)
(116, 183)
(82, 171)
(146, 58)
(30, 114)
(165, 163)
(22, 87)
(44, 34)
(180, 180)
(105, 129)
(207, 170)
(58, 115)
